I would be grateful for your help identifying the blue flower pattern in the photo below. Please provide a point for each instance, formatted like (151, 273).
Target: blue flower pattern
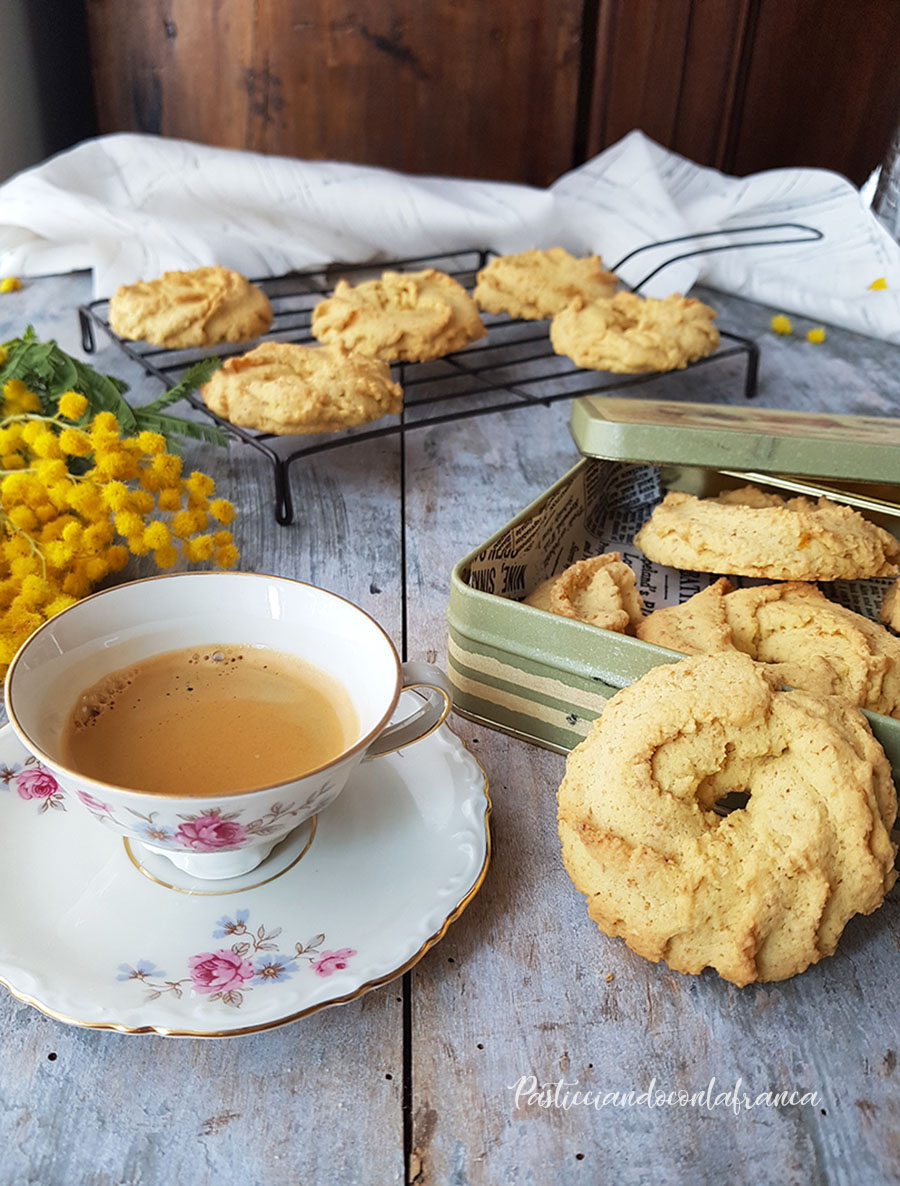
(226, 926)
(269, 966)
(141, 970)
(274, 968)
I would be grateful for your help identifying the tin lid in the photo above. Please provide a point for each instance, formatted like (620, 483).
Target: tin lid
(745, 439)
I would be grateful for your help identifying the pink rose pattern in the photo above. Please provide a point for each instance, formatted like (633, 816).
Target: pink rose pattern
(252, 960)
(93, 804)
(210, 832)
(225, 974)
(332, 961)
(34, 782)
(218, 971)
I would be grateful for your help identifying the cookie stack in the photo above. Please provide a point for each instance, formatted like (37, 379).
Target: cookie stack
(760, 893)
(811, 642)
(808, 640)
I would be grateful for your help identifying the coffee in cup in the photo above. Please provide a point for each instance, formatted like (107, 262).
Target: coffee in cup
(224, 828)
(211, 719)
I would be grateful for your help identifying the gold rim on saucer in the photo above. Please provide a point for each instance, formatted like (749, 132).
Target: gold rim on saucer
(378, 982)
(222, 893)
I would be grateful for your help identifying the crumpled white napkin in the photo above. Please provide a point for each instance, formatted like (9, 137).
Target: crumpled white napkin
(132, 206)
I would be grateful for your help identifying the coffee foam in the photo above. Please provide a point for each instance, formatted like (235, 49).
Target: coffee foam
(220, 719)
(104, 696)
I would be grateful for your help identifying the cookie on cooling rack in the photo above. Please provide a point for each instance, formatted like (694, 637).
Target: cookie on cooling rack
(539, 284)
(402, 317)
(286, 389)
(197, 308)
(629, 334)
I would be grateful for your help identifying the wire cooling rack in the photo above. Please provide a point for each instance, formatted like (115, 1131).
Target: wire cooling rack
(513, 366)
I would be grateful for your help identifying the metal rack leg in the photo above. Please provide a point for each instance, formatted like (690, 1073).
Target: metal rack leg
(88, 341)
(752, 374)
(284, 503)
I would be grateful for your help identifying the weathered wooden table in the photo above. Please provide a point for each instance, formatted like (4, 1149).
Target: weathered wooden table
(426, 1080)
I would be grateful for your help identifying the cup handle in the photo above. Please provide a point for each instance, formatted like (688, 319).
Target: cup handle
(429, 683)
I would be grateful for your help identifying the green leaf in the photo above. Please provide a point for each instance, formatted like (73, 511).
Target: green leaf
(48, 371)
(175, 426)
(192, 378)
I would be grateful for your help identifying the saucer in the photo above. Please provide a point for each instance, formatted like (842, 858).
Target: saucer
(92, 937)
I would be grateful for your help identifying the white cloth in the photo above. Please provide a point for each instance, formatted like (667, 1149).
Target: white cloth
(132, 206)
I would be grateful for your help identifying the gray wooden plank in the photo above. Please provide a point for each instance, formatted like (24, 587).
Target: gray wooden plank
(316, 1101)
(111, 1109)
(525, 986)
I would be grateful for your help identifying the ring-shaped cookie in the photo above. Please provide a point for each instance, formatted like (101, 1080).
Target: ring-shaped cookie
(600, 590)
(286, 388)
(763, 892)
(805, 639)
(539, 284)
(401, 317)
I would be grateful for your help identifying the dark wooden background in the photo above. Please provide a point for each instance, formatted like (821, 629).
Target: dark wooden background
(518, 90)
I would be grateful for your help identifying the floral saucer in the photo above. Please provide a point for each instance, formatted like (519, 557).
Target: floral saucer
(92, 935)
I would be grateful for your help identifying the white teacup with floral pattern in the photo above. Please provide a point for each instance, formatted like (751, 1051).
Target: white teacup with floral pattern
(218, 835)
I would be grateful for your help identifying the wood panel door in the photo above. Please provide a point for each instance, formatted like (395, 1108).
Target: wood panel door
(746, 85)
(517, 90)
(484, 89)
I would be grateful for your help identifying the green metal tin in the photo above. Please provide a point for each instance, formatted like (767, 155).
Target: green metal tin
(767, 440)
(535, 675)
(545, 678)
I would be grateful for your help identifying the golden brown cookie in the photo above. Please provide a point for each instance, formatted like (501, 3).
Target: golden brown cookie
(539, 597)
(197, 308)
(698, 626)
(890, 607)
(804, 639)
(538, 284)
(783, 540)
(404, 316)
(630, 334)
(600, 590)
(751, 496)
(283, 388)
(763, 892)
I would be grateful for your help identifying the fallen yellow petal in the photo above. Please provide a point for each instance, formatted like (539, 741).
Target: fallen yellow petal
(816, 335)
(879, 283)
(10, 284)
(781, 324)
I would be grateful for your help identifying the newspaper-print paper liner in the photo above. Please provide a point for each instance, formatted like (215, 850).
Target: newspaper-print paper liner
(601, 510)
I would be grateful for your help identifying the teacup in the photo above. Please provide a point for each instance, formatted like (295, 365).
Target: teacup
(216, 835)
